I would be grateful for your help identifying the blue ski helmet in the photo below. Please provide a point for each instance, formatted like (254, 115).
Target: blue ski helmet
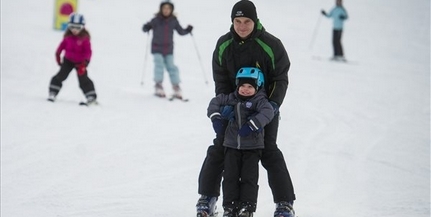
(75, 18)
(251, 73)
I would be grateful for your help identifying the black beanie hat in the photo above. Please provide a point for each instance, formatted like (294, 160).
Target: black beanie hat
(250, 81)
(244, 8)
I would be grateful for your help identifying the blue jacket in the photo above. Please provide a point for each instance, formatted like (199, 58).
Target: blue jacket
(163, 33)
(339, 14)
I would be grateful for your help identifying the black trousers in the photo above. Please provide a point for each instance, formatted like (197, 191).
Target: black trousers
(85, 83)
(272, 160)
(336, 42)
(240, 178)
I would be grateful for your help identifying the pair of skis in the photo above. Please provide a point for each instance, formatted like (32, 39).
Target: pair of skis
(82, 103)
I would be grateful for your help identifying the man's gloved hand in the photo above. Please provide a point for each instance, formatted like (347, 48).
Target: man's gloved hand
(146, 27)
(275, 106)
(227, 112)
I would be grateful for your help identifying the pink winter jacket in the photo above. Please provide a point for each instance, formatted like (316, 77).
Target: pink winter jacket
(77, 49)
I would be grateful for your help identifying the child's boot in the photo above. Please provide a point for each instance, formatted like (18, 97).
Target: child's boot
(91, 100)
(159, 90)
(177, 91)
(51, 96)
(247, 209)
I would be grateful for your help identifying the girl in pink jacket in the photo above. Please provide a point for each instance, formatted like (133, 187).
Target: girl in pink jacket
(77, 54)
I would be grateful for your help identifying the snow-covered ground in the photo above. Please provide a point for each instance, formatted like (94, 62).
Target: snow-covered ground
(356, 137)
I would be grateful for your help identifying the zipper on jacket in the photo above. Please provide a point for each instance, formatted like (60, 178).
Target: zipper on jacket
(238, 117)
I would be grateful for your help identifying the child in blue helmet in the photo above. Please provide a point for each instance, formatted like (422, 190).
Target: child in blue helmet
(243, 139)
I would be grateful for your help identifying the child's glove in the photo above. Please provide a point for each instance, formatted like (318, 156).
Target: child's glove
(343, 17)
(248, 128)
(189, 28)
(146, 28)
(245, 130)
(323, 12)
(81, 68)
(218, 125)
(58, 58)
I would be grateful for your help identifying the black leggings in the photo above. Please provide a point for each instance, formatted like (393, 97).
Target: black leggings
(336, 42)
(85, 83)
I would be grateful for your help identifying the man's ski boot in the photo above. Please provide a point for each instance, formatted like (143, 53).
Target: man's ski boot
(206, 206)
(247, 209)
(159, 90)
(52, 96)
(284, 209)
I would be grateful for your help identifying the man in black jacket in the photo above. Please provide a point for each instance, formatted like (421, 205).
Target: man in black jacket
(247, 44)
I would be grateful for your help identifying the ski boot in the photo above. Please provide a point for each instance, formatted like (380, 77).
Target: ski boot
(91, 100)
(247, 209)
(230, 212)
(284, 209)
(177, 92)
(159, 90)
(52, 96)
(338, 58)
(206, 206)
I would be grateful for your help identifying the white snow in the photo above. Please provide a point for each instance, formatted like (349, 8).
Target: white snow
(356, 137)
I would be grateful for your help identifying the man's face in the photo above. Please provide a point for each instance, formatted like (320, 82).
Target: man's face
(243, 26)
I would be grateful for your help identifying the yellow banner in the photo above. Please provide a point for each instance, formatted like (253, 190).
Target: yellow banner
(63, 8)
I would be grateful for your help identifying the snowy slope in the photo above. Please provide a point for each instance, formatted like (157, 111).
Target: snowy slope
(356, 137)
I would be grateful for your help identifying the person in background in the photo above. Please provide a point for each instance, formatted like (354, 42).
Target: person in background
(248, 44)
(339, 15)
(243, 140)
(162, 46)
(77, 55)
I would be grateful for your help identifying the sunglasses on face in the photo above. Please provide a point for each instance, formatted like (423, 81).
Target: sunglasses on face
(75, 26)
